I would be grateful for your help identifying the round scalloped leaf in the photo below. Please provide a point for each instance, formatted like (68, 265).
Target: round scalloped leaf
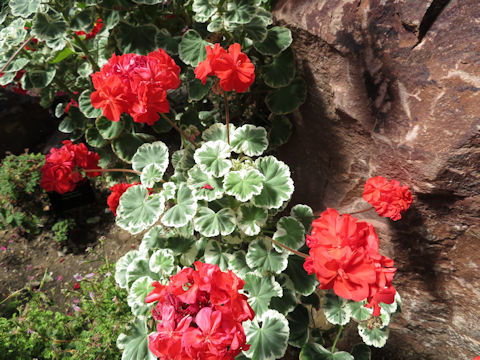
(281, 71)
(109, 129)
(278, 186)
(184, 211)
(214, 255)
(250, 219)
(162, 262)
(136, 39)
(169, 190)
(198, 180)
(217, 131)
(84, 71)
(358, 311)
(137, 210)
(122, 265)
(210, 223)
(264, 258)
(260, 290)
(23, 8)
(135, 344)
(126, 145)
(238, 263)
(137, 269)
(313, 351)
(197, 90)
(361, 352)
(85, 105)
(256, 29)
(250, 140)
(280, 130)
(289, 232)
(304, 214)
(83, 20)
(40, 78)
(269, 340)
(285, 303)
(93, 138)
(215, 24)
(240, 11)
(154, 153)
(74, 120)
(151, 174)
(192, 48)
(153, 238)
(48, 27)
(277, 40)
(105, 157)
(287, 99)
(204, 9)
(302, 282)
(211, 157)
(298, 321)
(243, 184)
(336, 310)
(373, 337)
(139, 291)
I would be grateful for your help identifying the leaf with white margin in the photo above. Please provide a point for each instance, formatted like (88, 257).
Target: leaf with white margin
(151, 174)
(122, 265)
(302, 282)
(260, 291)
(234, 238)
(153, 153)
(137, 269)
(153, 239)
(139, 291)
(162, 262)
(212, 157)
(249, 140)
(336, 310)
(373, 337)
(217, 131)
(304, 214)
(181, 213)
(313, 351)
(243, 184)
(169, 189)
(250, 219)
(197, 181)
(135, 344)
(287, 302)
(278, 186)
(238, 264)
(210, 223)
(269, 340)
(358, 310)
(214, 255)
(137, 210)
(264, 258)
(177, 158)
(290, 233)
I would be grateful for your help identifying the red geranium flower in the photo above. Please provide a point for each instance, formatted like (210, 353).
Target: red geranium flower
(110, 96)
(388, 198)
(114, 198)
(200, 314)
(97, 26)
(205, 68)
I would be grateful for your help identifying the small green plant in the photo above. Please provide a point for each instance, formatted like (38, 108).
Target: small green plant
(85, 326)
(61, 230)
(21, 199)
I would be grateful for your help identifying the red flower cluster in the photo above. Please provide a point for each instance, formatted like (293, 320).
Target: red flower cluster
(135, 84)
(61, 171)
(97, 26)
(200, 315)
(388, 198)
(233, 68)
(114, 198)
(344, 256)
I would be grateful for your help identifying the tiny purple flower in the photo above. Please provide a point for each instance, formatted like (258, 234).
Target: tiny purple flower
(29, 267)
(92, 295)
(114, 299)
(78, 277)
(75, 301)
(108, 274)
(89, 276)
(31, 277)
(76, 308)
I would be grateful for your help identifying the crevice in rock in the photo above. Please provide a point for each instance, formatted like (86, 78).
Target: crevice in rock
(431, 15)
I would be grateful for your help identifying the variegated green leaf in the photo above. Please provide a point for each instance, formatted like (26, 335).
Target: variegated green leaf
(373, 337)
(250, 140)
(135, 344)
(181, 213)
(250, 219)
(264, 258)
(214, 255)
(154, 153)
(217, 131)
(243, 184)
(204, 186)
(289, 232)
(260, 291)
(122, 265)
(336, 310)
(212, 158)
(210, 223)
(162, 262)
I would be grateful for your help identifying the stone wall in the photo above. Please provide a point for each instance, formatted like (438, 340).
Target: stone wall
(394, 91)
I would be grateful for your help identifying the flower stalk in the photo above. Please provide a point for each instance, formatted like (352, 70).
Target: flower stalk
(181, 132)
(288, 248)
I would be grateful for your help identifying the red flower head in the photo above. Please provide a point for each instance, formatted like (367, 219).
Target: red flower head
(97, 26)
(110, 96)
(233, 68)
(61, 171)
(200, 314)
(344, 256)
(388, 198)
(114, 198)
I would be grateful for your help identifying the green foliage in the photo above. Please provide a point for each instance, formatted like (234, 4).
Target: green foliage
(61, 229)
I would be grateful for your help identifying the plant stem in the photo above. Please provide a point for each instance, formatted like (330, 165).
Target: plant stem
(113, 170)
(227, 117)
(86, 52)
(362, 211)
(336, 339)
(16, 53)
(287, 248)
(64, 87)
(175, 126)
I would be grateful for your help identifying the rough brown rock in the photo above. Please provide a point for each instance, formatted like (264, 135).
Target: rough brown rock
(394, 91)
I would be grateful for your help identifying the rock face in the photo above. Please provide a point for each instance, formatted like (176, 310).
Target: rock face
(394, 90)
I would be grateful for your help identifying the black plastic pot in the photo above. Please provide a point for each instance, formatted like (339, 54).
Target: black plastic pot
(82, 195)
